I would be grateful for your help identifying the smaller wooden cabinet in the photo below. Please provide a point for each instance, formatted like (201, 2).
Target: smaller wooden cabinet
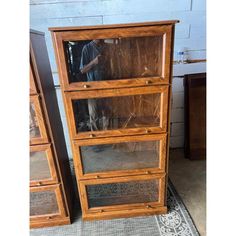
(51, 189)
(195, 115)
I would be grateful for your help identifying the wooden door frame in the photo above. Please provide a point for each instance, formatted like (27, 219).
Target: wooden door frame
(116, 173)
(69, 96)
(47, 148)
(86, 34)
(84, 199)
(60, 202)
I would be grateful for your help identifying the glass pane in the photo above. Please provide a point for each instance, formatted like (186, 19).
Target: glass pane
(120, 156)
(114, 58)
(42, 203)
(39, 168)
(122, 193)
(117, 112)
(34, 126)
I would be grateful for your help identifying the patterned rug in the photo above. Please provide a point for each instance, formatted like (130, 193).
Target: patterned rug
(177, 222)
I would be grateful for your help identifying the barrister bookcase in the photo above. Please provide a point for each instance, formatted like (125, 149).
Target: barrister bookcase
(116, 83)
(50, 180)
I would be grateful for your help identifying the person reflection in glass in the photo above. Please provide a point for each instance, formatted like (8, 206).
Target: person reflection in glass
(92, 63)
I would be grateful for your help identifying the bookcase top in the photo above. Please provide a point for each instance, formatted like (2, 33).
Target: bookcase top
(109, 26)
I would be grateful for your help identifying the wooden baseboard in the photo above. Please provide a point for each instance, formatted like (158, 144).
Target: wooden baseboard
(124, 214)
(48, 223)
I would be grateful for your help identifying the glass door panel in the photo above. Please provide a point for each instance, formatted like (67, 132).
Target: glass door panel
(120, 193)
(122, 112)
(42, 166)
(37, 128)
(43, 203)
(120, 156)
(34, 126)
(114, 58)
(46, 201)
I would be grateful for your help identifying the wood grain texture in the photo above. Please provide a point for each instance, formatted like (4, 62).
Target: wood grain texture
(112, 26)
(125, 213)
(171, 52)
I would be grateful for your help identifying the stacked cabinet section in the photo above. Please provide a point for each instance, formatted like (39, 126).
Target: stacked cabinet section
(49, 192)
(116, 83)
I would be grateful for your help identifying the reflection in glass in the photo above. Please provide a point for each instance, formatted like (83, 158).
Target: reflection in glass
(120, 156)
(42, 203)
(114, 58)
(34, 126)
(117, 112)
(39, 168)
(122, 193)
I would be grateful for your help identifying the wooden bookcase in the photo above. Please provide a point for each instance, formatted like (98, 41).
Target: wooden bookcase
(195, 126)
(51, 187)
(116, 85)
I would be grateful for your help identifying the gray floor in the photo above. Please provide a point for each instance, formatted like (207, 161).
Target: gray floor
(189, 179)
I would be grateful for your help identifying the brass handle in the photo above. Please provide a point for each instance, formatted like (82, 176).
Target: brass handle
(91, 135)
(148, 206)
(86, 86)
(39, 183)
(148, 172)
(148, 82)
(97, 176)
(101, 211)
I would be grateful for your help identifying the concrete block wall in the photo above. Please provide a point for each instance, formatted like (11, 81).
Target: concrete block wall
(190, 34)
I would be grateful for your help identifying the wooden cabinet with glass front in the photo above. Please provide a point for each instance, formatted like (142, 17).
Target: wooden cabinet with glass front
(116, 84)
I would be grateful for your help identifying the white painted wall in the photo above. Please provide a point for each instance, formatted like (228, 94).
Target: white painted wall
(190, 34)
